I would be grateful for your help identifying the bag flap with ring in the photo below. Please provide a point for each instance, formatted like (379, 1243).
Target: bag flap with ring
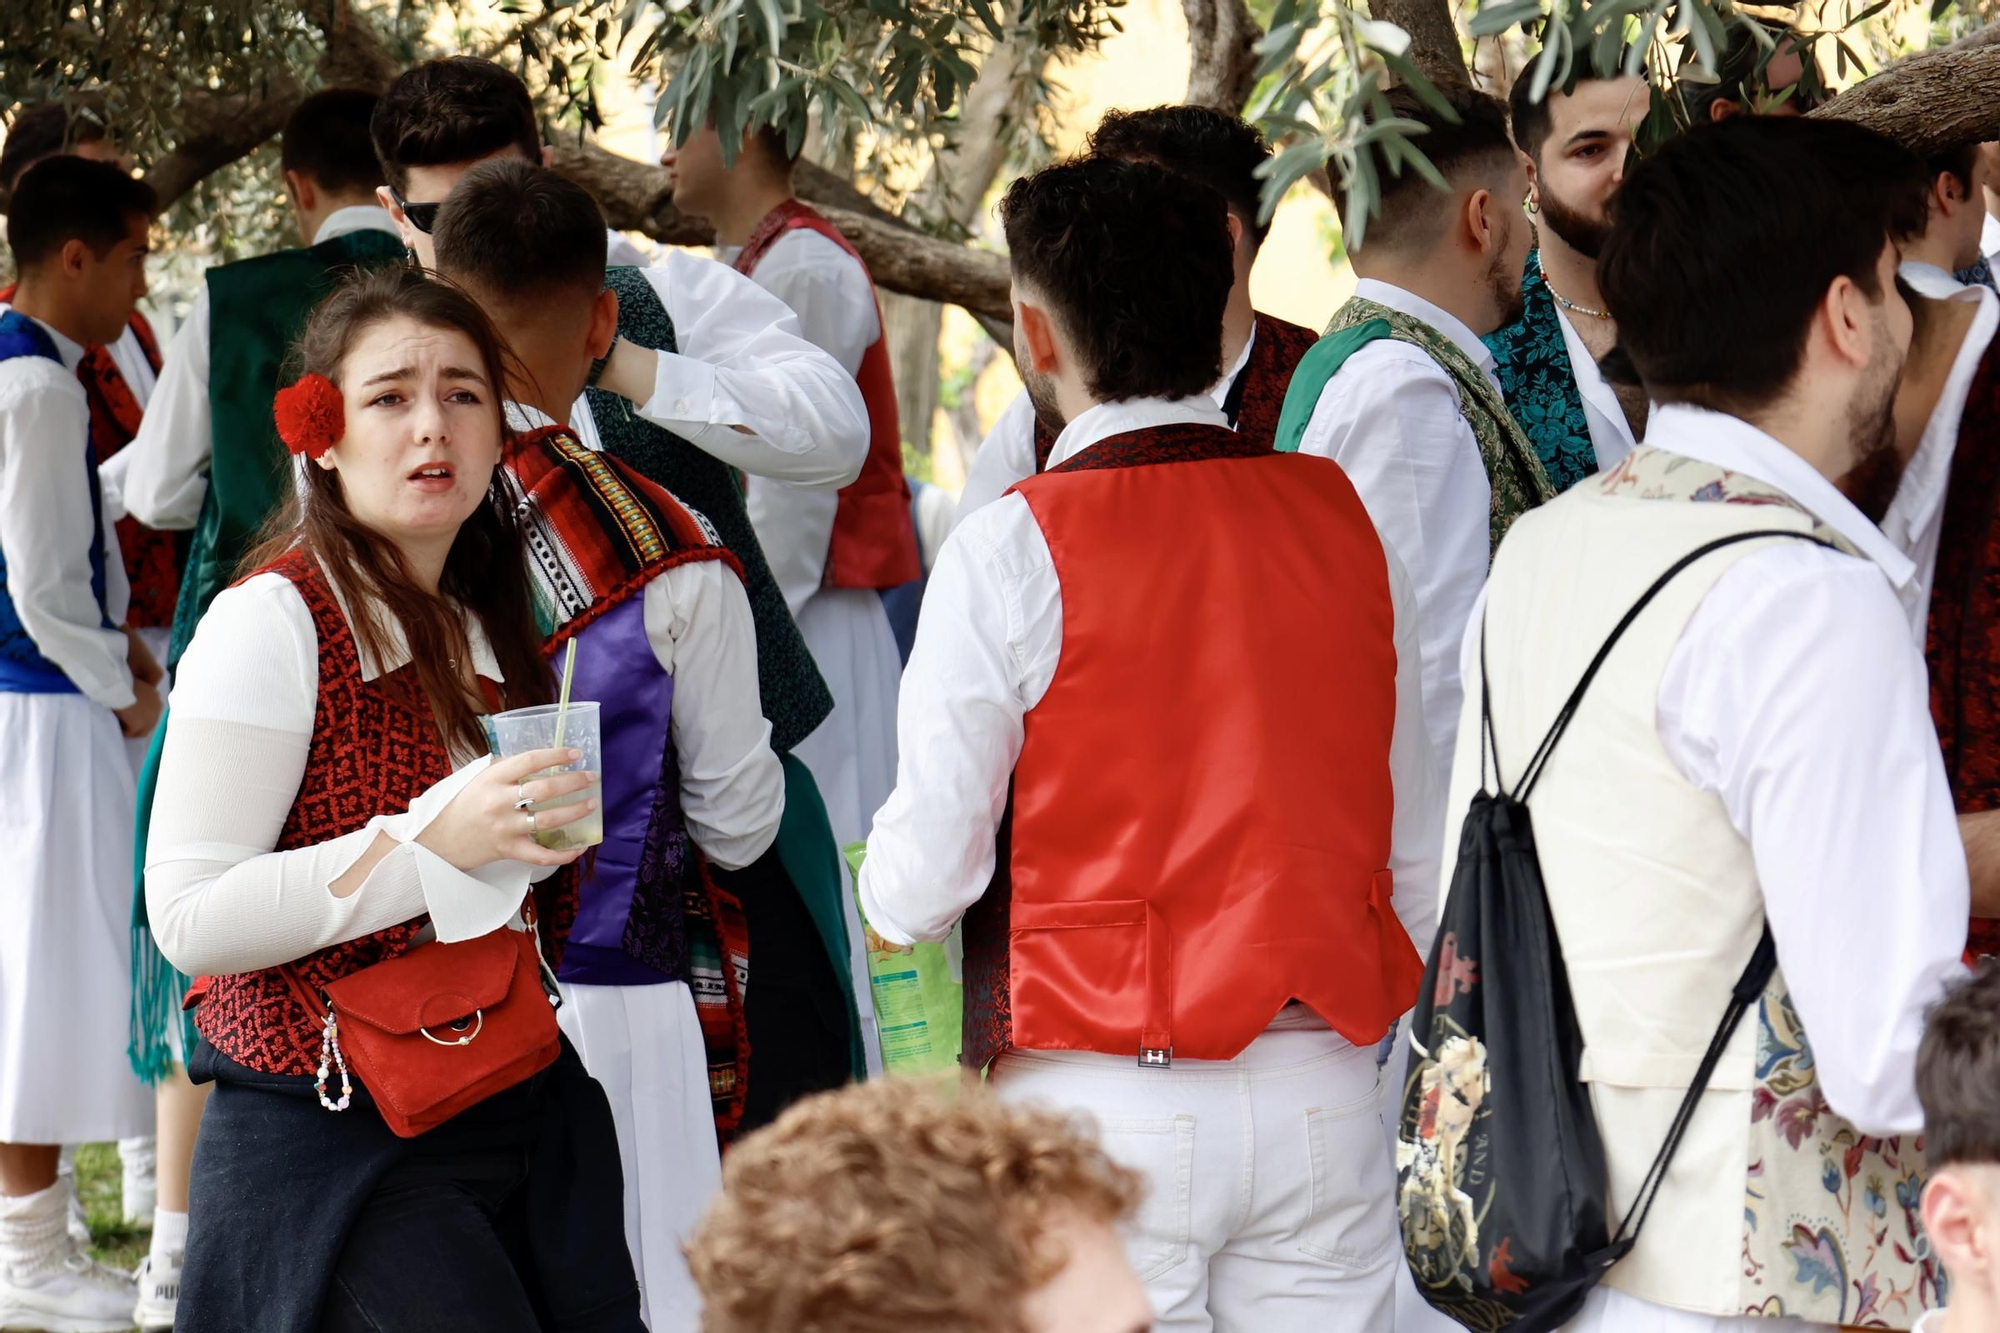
(404, 993)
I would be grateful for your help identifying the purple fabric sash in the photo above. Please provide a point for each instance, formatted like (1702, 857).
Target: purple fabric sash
(629, 929)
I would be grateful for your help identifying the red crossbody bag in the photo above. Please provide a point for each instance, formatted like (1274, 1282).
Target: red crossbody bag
(436, 1030)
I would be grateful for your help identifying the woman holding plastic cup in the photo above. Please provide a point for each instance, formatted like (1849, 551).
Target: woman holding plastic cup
(332, 848)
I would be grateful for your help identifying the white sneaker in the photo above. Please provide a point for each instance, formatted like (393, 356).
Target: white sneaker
(141, 1181)
(159, 1293)
(74, 1294)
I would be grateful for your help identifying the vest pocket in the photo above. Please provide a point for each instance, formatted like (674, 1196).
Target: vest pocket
(1162, 1151)
(1090, 976)
(1349, 1221)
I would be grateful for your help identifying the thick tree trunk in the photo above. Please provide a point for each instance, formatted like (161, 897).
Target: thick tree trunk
(1932, 102)
(1222, 59)
(1435, 48)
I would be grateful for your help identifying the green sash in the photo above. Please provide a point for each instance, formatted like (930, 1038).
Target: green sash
(1513, 469)
(811, 857)
(256, 309)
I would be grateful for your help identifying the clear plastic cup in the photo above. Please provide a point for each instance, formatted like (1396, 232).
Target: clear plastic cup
(520, 730)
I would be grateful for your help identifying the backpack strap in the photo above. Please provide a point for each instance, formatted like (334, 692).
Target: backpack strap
(1763, 959)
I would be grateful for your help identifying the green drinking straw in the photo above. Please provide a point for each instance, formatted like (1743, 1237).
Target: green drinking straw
(562, 705)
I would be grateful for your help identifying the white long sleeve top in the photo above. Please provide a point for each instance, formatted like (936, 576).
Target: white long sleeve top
(221, 900)
(46, 522)
(987, 649)
(744, 363)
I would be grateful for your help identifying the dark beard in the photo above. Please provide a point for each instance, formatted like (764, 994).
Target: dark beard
(1042, 396)
(1871, 484)
(1582, 234)
(1504, 280)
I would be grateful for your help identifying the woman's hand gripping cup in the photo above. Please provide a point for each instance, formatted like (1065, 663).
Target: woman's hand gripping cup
(500, 812)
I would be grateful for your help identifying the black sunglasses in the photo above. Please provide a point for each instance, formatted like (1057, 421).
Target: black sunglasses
(422, 216)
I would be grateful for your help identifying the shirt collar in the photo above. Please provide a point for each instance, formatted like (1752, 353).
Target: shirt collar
(396, 653)
(1220, 393)
(68, 348)
(1108, 419)
(1736, 445)
(353, 218)
(1416, 307)
(1591, 385)
(1928, 472)
(1932, 281)
(1989, 236)
(522, 417)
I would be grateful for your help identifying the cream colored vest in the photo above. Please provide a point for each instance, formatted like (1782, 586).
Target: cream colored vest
(1773, 1205)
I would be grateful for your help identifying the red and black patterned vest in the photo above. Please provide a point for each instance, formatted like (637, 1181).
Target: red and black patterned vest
(1257, 397)
(375, 748)
(1964, 638)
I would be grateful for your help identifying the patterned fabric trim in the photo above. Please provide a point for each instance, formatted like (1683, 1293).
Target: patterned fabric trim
(1513, 468)
(1187, 443)
(1531, 357)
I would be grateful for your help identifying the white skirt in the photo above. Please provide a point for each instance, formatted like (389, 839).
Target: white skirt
(643, 1046)
(852, 754)
(66, 811)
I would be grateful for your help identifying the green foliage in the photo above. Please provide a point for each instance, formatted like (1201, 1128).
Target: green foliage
(1327, 66)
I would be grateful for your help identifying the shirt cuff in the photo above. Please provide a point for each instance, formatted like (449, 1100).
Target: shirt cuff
(683, 392)
(463, 904)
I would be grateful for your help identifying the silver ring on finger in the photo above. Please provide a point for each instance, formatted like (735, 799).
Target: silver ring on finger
(521, 801)
(531, 822)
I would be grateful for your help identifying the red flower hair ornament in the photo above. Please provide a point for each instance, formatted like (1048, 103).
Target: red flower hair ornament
(310, 415)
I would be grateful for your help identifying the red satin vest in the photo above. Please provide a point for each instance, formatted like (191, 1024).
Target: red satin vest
(1200, 820)
(874, 538)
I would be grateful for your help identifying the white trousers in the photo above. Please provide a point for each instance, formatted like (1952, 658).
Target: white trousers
(643, 1045)
(1270, 1202)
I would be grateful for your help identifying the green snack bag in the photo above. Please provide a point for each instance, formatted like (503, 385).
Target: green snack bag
(918, 990)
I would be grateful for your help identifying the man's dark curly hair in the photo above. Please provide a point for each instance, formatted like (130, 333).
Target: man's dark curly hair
(1134, 262)
(1222, 151)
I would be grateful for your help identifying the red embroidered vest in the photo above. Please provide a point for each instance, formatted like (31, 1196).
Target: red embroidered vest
(375, 748)
(1199, 825)
(1964, 636)
(1257, 398)
(874, 538)
(152, 558)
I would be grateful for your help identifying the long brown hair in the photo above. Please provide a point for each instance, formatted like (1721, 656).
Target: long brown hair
(486, 572)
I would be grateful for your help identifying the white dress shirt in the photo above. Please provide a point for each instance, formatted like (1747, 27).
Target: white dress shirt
(161, 477)
(45, 524)
(1392, 419)
(1915, 518)
(243, 705)
(1796, 697)
(987, 648)
(1603, 415)
(1989, 237)
(832, 296)
(1007, 454)
(743, 363)
(1930, 280)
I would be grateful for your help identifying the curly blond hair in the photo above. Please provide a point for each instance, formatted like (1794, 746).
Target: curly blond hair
(893, 1206)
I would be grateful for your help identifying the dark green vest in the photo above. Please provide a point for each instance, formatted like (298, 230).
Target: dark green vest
(256, 309)
(795, 698)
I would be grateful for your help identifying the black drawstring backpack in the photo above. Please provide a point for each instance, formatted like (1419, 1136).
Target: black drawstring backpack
(1501, 1178)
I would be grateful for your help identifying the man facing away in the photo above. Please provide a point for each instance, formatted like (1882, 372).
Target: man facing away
(1259, 351)
(1934, 259)
(642, 585)
(833, 552)
(1573, 144)
(1401, 392)
(69, 695)
(1181, 877)
(1958, 1082)
(706, 379)
(1757, 751)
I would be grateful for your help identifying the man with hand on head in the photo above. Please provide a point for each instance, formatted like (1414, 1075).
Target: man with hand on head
(705, 377)
(1189, 891)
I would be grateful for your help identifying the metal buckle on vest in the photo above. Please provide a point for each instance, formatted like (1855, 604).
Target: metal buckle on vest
(1152, 1057)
